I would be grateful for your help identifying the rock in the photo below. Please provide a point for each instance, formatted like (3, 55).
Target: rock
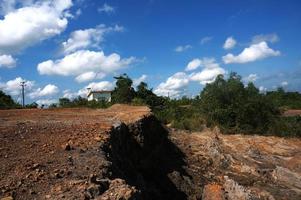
(120, 190)
(93, 191)
(213, 192)
(67, 147)
(7, 198)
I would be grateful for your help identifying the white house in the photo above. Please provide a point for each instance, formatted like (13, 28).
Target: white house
(99, 95)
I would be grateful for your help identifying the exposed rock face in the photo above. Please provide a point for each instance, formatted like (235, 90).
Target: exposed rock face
(170, 164)
(142, 154)
(126, 153)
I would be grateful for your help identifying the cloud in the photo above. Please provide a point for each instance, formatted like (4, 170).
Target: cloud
(211, 69)
(106, 8)
(48, 90)
(207, 75)
(194, 64)
(7, 6)
(13, 87)
(284, 83)
(251, 78)
(78, 12)
(70, 95)
(84, 61)
(7, 61)
(89, 76)
(174, 86)
(182, 48)
(254, 52)
(46, 102)
(83, 39)
(137, 81)
(98, 86)
(262, 89)
(265, 38)
(205, 40)
(205, 62)
(229, 43)
(26, 26)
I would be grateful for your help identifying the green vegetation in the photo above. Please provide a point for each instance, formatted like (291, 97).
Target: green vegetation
(123, 92)
(236, 108)
(6, 102)
(80, 102)
(226, 103)
(284, 99)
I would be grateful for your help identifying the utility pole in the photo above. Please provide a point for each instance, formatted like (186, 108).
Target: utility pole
(23, 96)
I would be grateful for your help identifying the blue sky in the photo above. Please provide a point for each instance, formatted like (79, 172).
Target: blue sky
(61, 47)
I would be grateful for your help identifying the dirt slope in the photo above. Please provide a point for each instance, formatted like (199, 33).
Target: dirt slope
(125, 153)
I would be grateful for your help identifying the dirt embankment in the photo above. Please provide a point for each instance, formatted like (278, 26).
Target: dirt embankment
(290, 113)
(125, 153)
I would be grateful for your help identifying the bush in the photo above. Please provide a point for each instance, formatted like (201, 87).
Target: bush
(138, 102)
(6, 102)
(286, 127)
(236, 108)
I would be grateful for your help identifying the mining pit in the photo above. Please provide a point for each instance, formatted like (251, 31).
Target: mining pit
(124, 152)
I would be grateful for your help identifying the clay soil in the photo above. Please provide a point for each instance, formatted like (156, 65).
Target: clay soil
(57, 154)
(52, 153)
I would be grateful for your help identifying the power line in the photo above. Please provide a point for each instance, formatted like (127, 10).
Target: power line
(23, 96)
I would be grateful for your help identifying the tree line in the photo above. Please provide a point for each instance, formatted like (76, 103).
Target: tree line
(227, 103)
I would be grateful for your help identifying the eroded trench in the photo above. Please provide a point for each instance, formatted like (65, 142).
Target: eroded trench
(142, 154)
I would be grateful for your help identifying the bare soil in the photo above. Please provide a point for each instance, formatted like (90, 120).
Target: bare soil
(124, 153)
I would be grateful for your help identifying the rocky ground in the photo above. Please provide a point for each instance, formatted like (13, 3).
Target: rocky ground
(125, 153)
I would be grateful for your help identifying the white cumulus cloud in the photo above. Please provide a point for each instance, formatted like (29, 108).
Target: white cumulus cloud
(86, 38)
(83, 61)
(194, 64)
(137, 81)
(284, 83)
(210, 70)
(262, 89)
(254, 52)
(89, 76)
(251, 78)
(229, 43)
(174, 86)
(46, 102)
(207, 75)
(26, 26)
(70, 95)
(7, 61)
(273, 37)
(13, 87)
(204, 62)
(48, 90)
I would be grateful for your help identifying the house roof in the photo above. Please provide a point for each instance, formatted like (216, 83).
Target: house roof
(99, 92)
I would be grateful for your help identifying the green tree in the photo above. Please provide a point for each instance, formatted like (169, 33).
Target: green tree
(236, 108)
(32, 105)
(6, 102)
(123, 92)
(65, 102)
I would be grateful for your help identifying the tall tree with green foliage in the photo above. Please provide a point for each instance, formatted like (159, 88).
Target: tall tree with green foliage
(123, 92)
(65, 102)
(148, 97)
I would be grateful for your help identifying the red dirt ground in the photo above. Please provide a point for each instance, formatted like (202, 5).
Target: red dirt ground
(51, 153)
